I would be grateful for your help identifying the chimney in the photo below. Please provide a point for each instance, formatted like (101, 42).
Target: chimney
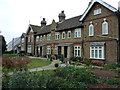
(61, 16)
(43, 22)
(119, 6)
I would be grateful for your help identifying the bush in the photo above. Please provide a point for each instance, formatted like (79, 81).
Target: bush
(113, 81)
(113, 66)
(56, 64)
(64, 77)
(14, 63)
(76, 58)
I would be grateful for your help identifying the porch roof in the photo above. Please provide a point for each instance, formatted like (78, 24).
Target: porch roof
(64, 44)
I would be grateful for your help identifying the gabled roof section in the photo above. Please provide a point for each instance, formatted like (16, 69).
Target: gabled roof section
(100, 2)
(35, 28)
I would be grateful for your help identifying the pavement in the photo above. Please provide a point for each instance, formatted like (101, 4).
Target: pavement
(49, 67)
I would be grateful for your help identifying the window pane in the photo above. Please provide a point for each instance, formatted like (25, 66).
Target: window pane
(92, 53)
(96, 53)
(100, 53)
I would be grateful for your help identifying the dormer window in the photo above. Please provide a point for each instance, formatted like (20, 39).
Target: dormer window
(97, 11)
(105, 28)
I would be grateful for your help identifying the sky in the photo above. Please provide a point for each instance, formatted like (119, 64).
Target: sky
(15, 15)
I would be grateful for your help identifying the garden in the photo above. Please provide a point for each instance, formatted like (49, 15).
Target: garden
(72, 76)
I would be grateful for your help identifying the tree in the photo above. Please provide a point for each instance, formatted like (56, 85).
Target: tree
(2, 44)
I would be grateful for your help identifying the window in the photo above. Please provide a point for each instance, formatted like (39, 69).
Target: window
(97, 52)
(69, 34)
(77, 33)
(48, 36)
(77, 51)
(91, 30)
(57, 36)
(105, 28)
(29, 39)
(97, 11)
(22, 40)
(29, 49)
(22, 48)
(48, 50)
(44, 38)
(32, 38)
(37, 38)
(63, 35)
(41, 38)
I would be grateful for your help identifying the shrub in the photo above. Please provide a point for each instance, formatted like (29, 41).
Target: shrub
(10, 62)
(113, 81)
(56, 64)
(76, 58)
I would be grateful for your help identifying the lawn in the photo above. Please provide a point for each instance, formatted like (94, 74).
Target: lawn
(35, 63)
(14, 62)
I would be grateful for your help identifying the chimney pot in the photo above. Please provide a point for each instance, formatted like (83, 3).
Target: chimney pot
(61, 16)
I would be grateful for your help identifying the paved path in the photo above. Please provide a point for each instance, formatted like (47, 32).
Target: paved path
(49, 67)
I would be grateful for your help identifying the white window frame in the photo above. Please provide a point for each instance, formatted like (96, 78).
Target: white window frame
(29, 49)
(77, 33)
(77, 50)
(48, 50)
(22, 48)
(91, 30)
(105, 28)
(57, 35)
(41, 38)
(95, 52)
(22, 40)
(44, 37)
(63, 35)
(97, 11)
(48, 37)
(37, 38)
(32, 38)
(29, 38)
(69, 34)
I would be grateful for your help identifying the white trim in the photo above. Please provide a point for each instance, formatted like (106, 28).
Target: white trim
(68, 34)
(76, 49)
(77, 33)
(102, 3)
(97, 48)
(91, 25)
(64, 35)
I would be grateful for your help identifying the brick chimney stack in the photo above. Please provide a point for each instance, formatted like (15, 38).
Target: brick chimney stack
(61, 16)
(43, 22)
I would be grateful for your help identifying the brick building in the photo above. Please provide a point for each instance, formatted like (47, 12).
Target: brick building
(94, 34)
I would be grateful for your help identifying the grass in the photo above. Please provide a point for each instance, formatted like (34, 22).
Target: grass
(11, 55)
(35, 63)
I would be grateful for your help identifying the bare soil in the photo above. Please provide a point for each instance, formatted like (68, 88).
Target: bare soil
(106, 74)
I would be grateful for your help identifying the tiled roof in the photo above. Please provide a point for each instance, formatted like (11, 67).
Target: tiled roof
(69, 23)
(35, 28)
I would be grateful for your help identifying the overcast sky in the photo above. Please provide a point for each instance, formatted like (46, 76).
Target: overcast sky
(16, 14)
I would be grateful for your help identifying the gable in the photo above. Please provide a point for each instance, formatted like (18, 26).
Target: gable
(100, 2)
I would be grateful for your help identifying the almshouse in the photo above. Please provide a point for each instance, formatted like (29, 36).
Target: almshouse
(94, 35)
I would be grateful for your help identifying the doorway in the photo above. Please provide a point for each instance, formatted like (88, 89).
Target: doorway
(65, 51)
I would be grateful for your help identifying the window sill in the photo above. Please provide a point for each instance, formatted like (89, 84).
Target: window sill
(98, 58)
